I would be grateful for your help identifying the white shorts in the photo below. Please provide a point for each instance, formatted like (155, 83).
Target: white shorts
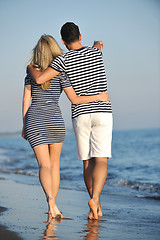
(93, 135)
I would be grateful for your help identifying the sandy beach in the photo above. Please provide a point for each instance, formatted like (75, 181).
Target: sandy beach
(23, 211)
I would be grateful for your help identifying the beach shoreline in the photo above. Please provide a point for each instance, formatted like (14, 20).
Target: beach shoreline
(8, 235)
(124, 217)
(4, 232)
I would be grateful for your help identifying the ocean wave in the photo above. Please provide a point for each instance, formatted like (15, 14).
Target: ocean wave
(28, 173)
(150, 197)
(18, 172)
(137, 189)
(139, 186)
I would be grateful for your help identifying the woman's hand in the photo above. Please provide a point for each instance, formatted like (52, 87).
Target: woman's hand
(24, 133)
(104, 97)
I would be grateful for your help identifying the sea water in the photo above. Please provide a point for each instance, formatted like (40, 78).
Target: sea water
(133, 170)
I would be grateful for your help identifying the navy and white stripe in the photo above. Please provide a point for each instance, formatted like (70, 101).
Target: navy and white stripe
(86, 72)
(44, 122)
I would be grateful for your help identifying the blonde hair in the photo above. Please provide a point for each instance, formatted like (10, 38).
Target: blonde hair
(44, 52)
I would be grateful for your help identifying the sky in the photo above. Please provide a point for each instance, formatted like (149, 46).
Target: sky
(130, 31)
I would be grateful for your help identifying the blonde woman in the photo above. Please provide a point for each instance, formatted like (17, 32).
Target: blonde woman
(43, 125)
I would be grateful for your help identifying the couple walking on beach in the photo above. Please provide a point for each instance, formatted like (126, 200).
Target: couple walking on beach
(80, 73)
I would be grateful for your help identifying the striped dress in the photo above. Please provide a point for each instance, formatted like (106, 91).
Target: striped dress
(86, 72)
(44, 122)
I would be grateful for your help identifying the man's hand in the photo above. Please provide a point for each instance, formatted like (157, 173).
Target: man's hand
(34, 72)
(41, 77)
(29, 67)
(98, 44)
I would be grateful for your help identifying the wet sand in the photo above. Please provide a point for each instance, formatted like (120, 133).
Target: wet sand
(23, 210)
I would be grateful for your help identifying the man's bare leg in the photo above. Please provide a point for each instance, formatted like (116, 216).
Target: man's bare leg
(98, 181)
(88, 167)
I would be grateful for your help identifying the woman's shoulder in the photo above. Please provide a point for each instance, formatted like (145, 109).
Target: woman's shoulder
(28, 80)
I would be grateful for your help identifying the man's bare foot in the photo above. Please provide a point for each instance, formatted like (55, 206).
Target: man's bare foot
(99, 212)
(93, 208)
(53, 209)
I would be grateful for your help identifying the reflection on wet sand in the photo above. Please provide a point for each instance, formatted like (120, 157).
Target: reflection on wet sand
(51, 227)
(92, 230)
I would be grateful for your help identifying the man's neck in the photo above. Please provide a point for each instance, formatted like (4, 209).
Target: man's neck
(74, 45)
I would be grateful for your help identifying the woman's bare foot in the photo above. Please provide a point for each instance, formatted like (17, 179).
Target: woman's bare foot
(100, 210)
(49, 216)
(53, 209)
(93, 208)
(90, 215)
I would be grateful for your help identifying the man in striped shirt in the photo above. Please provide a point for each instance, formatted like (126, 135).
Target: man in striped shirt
(92, 122)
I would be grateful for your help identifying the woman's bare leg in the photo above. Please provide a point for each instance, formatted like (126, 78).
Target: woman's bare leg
(43, 159)
(55, 152)
(45, 176)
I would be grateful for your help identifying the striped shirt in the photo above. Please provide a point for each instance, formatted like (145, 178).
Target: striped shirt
(86, 72)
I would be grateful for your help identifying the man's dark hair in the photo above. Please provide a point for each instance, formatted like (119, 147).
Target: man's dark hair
(70, 32)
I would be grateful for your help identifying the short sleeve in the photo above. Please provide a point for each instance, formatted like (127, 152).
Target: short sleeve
(64, 80)
(27, 80)
(58, 64)
(98, 51)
